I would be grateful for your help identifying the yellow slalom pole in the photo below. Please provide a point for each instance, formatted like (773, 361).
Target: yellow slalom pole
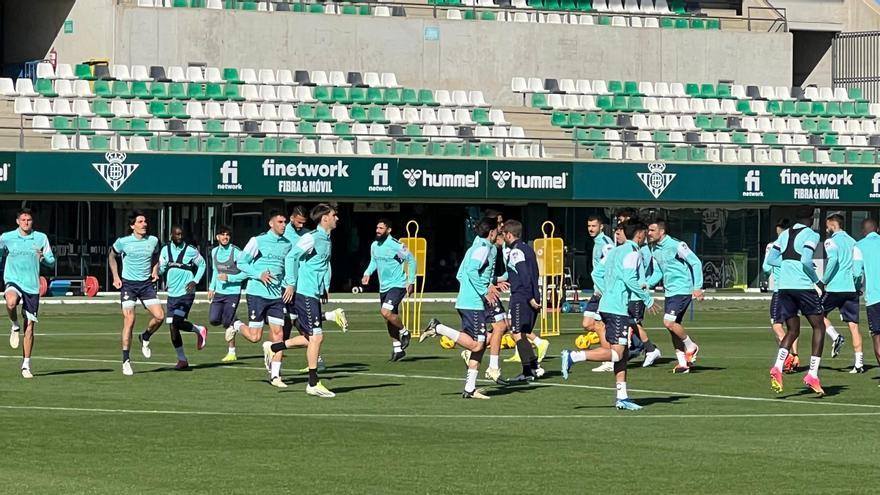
(550, 251)
(411, 315)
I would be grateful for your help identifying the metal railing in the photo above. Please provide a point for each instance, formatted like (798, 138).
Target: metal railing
(855, 62)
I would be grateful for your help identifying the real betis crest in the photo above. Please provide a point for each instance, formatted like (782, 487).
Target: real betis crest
(656, 180)
(115, 172)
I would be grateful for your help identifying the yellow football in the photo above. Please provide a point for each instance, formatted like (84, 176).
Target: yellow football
(586, 340)
(446, 342)
(507, 342)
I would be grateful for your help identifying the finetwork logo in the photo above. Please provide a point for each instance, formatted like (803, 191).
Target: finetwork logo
(753, 185)
(229, 176)
(380, 178)
(875, 186)
(656, 180)
(415, 176)
(520, 181)
(115, 172)
(4, 172)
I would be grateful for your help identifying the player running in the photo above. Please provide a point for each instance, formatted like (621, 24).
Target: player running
(295, 229)
(474, 303)
(263, 262)
(140, 272)
(224, 295)
(183, 268)
(869, 246)
(637, 306)
(525, 297)
(396, 268)
(682, 275)
(793, 253)
(623, 278)
(309, 274)
(840, 280)
(792, 361)
(602, 245)
(26, 250)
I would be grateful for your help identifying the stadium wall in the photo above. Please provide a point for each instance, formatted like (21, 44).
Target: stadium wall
(468, 55)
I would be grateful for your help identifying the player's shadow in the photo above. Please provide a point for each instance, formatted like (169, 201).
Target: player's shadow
(672, 399)
(830, 391)
(513, 388)
(74, 372)
(701, 369)
(343, 390)
(421, 358)
(211, 365)
(347, 367)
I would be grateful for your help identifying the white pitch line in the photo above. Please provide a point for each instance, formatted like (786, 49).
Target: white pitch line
(437, 416)
(538, 384)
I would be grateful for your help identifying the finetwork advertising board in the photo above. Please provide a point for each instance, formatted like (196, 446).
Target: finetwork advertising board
(368, 178)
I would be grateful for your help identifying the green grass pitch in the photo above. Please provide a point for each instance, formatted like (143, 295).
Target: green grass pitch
(82, 427)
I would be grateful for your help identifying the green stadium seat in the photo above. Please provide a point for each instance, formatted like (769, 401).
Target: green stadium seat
(660, 137)
(488, 16)
(410, 97)
(855, 93)
(270, 145)
(306, 112)
(481, 116)
(738, 137)
(376, 96)
(830, 139)
(252, 145)
(177, 91)
(615, 87)
(788, 109)
(832, 109)
(232, 92)
(817, 108)
(698, 24)
(120, 127)
(848, 109)
(667, 23)
(157, 89)
(197, 91)
(853, 156)
(539, 100)
(393, 96)
(289, 145)
(324, 113)
(837, 155)
(744, 107)
(576, 119)
(608, 121)
(358, 96)
(182, 144)
(400, 148)
(869, 157)
(45, 88)
(414, 132)
(140, 90)
(552, 5)
(159, 110)
(559, 119)
(724, 91)
(631, 88)
(305, 128)
(230, 75)
(677, 6)
(703, 122)
(215, 128)
(426, 97)
(803, 109)
(863, 109)
(809, 125)
(377, 115)
(359, 114)
(417, 148)
(121, 89)
(101, 108)
(381, 148)
(603, 20)
(99, 143)
(469, 15)
(823, 126)
(343, 130)
(324, 94)
(692, 89)
(215, 144)
(340, 95)
(592, 119)
(719, 123)
(349, 10)
(714, 24)
(770, 138)
(177, 110)
(620, 104)
(248, 5)
(62, 125)
(82, 126)
(585, 5)
(774, 107)
(682, 24)
(214, 91)
(156, 143)
(636, 104)
(605, 102)
(602, 151)
(708, 91)
(139, 127)
(83, 71)
(807, 155)
(698, 153)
